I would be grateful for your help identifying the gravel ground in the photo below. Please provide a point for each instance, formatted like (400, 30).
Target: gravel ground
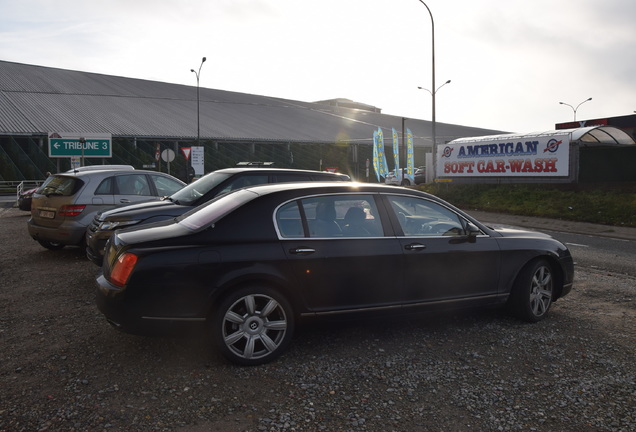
(63, 368)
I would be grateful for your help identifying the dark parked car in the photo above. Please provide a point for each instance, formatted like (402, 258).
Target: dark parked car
(66, 203)
(197, 193)
(420, 175)
(251, 263)
(25, 198)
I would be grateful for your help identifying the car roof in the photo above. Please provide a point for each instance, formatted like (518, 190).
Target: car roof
(101, 168)
(332, 187)
(275, 170)
(111, 172)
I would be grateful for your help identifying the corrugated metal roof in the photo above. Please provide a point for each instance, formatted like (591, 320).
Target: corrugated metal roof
(589, 134)
(37, 100)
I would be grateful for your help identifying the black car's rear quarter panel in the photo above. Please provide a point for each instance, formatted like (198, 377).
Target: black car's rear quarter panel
(183, 277)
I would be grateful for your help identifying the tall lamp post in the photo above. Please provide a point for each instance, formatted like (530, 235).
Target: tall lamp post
(577, 107)
(433, 93)
(197, 75)
(189, 164)
(433, 87)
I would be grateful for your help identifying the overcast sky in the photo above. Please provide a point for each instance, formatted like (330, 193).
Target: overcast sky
(510, 61)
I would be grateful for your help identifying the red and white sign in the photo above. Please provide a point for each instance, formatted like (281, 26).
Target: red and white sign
(186, 152)
(505, 156)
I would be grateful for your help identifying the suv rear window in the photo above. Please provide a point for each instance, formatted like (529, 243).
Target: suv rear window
(60, 185)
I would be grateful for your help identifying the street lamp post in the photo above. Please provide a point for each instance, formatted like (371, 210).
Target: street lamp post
(433, 93)
(433, 87)
(197, 73)
(577, 107)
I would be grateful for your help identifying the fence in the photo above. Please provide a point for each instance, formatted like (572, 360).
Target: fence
(17, 187)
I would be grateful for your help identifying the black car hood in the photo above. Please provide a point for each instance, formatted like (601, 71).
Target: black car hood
(145, 210)
(518, 233)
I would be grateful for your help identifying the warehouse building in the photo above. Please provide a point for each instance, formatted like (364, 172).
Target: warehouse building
(144, 118)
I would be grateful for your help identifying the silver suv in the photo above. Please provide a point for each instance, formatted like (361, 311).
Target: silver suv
(67, 202)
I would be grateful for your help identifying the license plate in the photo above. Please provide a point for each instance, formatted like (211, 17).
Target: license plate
(47, 214)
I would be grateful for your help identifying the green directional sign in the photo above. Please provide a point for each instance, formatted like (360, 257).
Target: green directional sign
(68, 144)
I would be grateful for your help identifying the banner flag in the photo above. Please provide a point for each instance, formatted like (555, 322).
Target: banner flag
(376, 164)
(396, 151)
(379, 158)
(382, 166)
(410, 158)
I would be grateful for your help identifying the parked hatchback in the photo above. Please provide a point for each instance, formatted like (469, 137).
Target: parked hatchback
(201, 191)
(67, 202)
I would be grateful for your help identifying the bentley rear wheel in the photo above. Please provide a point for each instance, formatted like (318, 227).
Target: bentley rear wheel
(253, 325)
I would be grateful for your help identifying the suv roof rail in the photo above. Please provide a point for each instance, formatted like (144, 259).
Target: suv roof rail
(101, 168)
(255, 164)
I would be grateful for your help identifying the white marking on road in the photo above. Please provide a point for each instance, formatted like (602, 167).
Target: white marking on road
(576, 244)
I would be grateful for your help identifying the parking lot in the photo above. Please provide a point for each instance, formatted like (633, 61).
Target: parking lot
(63, 368)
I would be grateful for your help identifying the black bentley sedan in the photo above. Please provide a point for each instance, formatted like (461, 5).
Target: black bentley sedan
(252, 263)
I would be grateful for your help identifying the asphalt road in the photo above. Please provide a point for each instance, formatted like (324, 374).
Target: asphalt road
(612, 255)
(7, 201)
(600, 247)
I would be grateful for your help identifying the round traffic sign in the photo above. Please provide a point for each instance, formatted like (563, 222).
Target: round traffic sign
(167, 155)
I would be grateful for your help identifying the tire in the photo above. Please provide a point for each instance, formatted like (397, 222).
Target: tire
(532, 292)
(253, 325)
(405, 182)
(51, 245)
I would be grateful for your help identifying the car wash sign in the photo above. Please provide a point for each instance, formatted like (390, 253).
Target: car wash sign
(88, 145)
(505, 156)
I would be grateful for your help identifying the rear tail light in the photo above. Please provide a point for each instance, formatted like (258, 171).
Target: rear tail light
(70, 210)
(122, 268)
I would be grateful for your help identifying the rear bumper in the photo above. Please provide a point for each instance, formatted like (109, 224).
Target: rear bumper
(68, 233)
(126, 314)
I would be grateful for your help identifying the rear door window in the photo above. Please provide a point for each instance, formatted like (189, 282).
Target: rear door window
(242, 181)
(165, 186)
(133, 184)
(106, 186)
(332, 216)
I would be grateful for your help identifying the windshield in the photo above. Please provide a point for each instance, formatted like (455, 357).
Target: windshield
(209, 213)
(192, 192)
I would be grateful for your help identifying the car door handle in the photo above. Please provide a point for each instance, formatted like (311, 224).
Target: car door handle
(124, 200)
(302, 251)
(415, 246)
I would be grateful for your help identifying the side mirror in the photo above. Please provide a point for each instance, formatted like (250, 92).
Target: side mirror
(471, 235)
(472, 232)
